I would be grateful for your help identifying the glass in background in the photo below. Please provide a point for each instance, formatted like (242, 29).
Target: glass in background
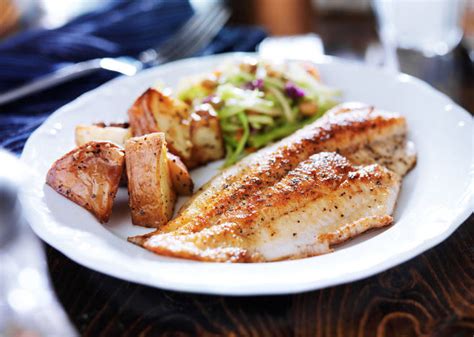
(432, 27)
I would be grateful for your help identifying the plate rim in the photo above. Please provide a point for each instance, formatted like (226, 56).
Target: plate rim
(458, 216)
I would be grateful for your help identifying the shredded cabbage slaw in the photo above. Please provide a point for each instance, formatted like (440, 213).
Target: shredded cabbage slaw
(258, 102)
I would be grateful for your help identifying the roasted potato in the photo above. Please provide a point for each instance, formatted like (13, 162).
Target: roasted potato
(152, 196)
(156, 112)
(89, 175)
(180, 177)
(206, 136)
(87, 133)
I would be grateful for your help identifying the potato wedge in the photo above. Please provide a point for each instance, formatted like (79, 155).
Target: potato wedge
(87, 133)
(154, 111)
(206, 136)
(89, 175)
(152, 196)
(180, 177)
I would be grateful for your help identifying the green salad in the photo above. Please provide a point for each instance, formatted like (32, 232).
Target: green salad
(258, 102)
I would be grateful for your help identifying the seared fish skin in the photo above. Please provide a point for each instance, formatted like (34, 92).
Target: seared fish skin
(325, 200)
(348, 129)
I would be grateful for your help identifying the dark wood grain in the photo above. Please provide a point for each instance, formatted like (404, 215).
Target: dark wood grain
(431, 295)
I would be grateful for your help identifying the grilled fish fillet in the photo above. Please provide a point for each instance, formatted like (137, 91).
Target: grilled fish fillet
(357, 131)
(323, 201)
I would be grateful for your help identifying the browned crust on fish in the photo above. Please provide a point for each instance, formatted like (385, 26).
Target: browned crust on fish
(235, 236)
(344, 129)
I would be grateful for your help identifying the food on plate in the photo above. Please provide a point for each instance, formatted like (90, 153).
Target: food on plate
(323, 201)
(206, 136)
(155, 111)
(116, 133)
(334, 172)
(239, 108)
(182, 181)
(258, 102)
(89, 175)
(151, 194)
(346, 129)
(101, 132)
(180, 177)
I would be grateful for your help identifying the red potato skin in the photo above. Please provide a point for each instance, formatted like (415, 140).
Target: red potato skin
(155, 111)
(141, 118)
(90, 176)
(206, 136)
(182, 182)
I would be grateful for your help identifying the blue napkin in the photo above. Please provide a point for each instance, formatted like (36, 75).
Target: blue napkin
(119, 28)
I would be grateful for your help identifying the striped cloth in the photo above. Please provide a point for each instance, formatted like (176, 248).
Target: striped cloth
(120, 28)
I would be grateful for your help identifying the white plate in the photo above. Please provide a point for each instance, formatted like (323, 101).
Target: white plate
(435, 198)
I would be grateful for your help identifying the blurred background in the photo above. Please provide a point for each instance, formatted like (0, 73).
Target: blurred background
(430, 39)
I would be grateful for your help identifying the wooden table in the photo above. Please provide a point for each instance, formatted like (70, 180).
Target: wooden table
(431, 295)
